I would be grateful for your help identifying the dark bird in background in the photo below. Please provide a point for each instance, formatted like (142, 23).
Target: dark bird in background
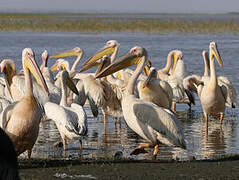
(8, 158)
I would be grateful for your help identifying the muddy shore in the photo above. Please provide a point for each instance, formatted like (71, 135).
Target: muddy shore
(227, 168)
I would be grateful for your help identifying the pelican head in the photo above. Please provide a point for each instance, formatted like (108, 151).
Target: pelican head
(8, 69)
(44, 57)
(133, 57)
(67, 80)
(177, 55)
(110, 47)
(73, 52)
(30, 65)
(152, 74)
(60, 64)
(213, 52)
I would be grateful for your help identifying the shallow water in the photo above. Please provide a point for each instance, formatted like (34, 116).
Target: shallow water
(99, 144)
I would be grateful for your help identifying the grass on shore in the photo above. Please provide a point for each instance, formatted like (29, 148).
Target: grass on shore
(98, 23)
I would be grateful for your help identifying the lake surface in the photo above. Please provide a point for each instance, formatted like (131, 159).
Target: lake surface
(218, 141)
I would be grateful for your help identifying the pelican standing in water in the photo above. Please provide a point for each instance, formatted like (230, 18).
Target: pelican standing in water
(153, 123)
(21, 119)
(106, 93)
(210, 93)
(70, 121)
(228, 90)
(175, 78)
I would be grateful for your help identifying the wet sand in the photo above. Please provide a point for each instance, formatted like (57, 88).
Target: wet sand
(125, 169)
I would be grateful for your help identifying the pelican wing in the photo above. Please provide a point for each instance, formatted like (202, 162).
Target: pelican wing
(167, 88)
(6, 114)
(81, 98)
(192, 82)
(39, 93)
(95, 90)
(228, 91)
(161, 120)
(70, 118)
(93, 107)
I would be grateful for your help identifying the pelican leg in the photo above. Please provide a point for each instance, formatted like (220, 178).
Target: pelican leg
(174, 107)
(156, 150)
(64, 146)
(140, 149)
(29, 152)
(105, 118)
(221, 117)
(115, 122)
(80, 141)
(206, 126)
(119, 123)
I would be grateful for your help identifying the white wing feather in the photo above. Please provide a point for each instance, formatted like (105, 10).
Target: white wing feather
(166, 125)
(229, 92)
(161, 120)
(72, 118)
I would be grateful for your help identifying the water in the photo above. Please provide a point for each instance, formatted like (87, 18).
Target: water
(99, 144)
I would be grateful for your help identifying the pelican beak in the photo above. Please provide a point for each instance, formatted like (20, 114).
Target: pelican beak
(125, 61)
(215, 53)
(107, 50)
(175, 60)
(67, 54)
(146, 82)
(31, 65)
(88, 66)
(147, 68)
(71, 85)
(55, 67)
(102, 65)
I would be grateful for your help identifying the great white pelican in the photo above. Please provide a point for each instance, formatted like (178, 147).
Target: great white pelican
(21, 119)
(71, 121)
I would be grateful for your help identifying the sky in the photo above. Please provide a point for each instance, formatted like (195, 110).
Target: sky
(121, 6)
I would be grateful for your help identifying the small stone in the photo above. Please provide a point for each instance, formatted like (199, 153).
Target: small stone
(118, 155)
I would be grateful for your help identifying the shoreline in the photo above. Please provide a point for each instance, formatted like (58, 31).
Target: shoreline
(122, 169)
(106, 22)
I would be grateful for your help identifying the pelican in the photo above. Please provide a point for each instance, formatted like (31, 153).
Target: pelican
(179, 72)
(106, 93)
(21, 119)
(210, 93)
(70, 121)
(151, 122)
(229, 91)
(155, 90)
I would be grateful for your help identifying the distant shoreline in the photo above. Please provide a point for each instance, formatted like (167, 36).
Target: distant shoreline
(107, 22)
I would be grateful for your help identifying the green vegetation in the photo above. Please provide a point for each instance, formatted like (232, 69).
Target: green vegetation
(98, 23)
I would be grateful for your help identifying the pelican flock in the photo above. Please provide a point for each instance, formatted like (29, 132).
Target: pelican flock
(146, 101)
